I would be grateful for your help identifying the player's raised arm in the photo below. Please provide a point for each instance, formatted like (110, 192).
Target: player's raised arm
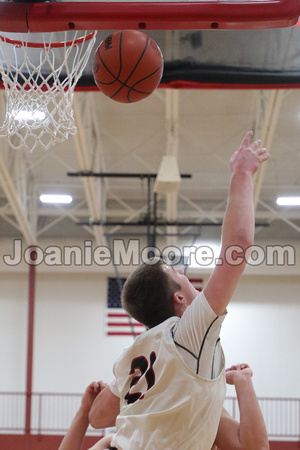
(74, 438)
(250, 432)
(238, 224)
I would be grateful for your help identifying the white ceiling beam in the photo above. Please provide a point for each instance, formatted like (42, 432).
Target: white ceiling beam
(16, 206)
(172, 121)
(172, 124)
(85, 164)
(267, 134)
(103, 183)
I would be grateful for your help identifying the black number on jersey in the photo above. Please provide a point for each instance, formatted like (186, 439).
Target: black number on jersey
(140, 363)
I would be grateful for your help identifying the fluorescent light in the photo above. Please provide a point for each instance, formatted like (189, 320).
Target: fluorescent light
(288, 201)
(53, 198)
(24, 115)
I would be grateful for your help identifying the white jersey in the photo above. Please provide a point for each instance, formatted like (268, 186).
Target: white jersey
(163, 402)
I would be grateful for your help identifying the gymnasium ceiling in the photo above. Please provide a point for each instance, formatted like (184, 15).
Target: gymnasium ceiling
(216, 86)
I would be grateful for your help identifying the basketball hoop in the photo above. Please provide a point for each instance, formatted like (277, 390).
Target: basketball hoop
(39, 80)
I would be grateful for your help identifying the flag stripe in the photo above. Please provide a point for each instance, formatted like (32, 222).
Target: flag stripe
(119, 324)
(119, 333)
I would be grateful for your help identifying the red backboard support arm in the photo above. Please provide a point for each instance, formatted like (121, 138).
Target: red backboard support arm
(44, 17)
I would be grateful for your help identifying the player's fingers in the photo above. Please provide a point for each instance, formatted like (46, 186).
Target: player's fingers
(231, 368)
(246, 141)
(93, 386)
(264, 156)
(261, 150)
(255, 145)
(102, 385)
(97, 387)
(244, 366)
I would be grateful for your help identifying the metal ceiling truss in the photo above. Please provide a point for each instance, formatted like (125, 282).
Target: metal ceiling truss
(21, 190)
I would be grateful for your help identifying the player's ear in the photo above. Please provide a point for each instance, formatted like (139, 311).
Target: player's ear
(178, 298)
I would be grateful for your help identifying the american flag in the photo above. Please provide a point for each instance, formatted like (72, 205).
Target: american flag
(118, 322)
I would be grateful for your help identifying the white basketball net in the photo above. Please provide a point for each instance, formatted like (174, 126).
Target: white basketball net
(39, 82)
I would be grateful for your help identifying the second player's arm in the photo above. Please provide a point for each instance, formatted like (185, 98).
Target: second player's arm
(238, 225)
(250, 432)
(105, 409)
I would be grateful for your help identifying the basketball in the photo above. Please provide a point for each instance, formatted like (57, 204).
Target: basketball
(128, 66)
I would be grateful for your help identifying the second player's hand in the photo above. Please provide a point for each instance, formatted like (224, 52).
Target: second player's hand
(249, 156)
(238, 372)
(91, 393)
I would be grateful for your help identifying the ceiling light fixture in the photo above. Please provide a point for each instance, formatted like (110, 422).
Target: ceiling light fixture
(288, 201)
(24, 115)
(54, 198)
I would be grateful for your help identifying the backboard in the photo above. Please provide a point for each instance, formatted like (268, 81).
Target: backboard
(147, 15)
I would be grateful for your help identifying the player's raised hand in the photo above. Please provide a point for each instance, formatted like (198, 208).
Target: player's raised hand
(249, 156)
(237, 372)
(91, 393)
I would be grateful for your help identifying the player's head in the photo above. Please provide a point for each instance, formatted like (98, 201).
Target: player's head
(148, 292)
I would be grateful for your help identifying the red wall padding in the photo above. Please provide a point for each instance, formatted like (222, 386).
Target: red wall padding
(284, 445)
(35, 442)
